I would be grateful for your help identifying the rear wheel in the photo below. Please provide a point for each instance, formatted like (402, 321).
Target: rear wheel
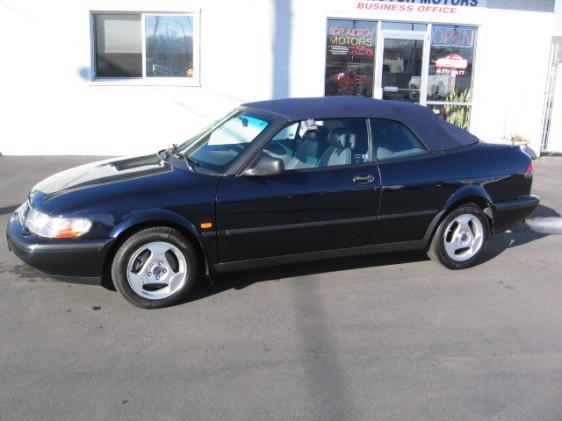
(460, 238)
(155, 267)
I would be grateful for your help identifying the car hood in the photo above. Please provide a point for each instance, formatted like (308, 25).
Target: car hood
(116, 184)
(100, 173)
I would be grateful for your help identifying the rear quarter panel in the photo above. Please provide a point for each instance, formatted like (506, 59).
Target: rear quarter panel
(419, 190)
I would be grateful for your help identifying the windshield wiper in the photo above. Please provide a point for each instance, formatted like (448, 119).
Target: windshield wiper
(172, 150)
(165, 153)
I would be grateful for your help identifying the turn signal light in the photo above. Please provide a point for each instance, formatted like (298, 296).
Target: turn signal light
(206, 225)
(67, 232)
(529, 170)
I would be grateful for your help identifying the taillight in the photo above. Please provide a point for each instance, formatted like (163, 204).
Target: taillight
(529, 170)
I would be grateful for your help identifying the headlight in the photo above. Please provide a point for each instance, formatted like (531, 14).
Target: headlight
(44, 225)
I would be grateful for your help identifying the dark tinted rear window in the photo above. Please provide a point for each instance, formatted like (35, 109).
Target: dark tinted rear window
(391, 139)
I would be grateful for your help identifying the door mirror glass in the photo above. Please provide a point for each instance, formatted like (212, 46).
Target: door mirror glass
(266, 165)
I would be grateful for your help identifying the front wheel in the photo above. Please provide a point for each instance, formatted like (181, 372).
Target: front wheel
(156, 267)
(460, 238)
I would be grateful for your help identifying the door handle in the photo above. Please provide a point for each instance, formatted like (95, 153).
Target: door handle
(363, 179)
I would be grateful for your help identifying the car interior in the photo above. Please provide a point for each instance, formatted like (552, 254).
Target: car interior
(330, 143)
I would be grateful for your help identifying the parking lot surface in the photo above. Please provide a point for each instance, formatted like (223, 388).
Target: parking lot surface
(387, 337)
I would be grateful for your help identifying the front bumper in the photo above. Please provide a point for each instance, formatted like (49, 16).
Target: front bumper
(511, 212)
(74, 257)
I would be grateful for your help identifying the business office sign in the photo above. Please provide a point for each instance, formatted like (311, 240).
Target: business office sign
(439, 7)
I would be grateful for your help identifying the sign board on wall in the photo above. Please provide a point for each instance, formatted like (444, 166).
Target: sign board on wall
(444, 7)
(351, 41)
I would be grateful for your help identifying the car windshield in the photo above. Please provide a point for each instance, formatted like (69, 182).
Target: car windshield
(221, 143)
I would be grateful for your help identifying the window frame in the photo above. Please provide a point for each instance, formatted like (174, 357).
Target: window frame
(144, 80)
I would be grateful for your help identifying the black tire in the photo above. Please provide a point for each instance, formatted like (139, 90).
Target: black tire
(437, 249)
(134, 243)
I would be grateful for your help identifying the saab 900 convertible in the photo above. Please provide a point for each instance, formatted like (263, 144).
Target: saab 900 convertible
(276, 182)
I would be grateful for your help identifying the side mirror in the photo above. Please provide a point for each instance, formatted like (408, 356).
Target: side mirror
(266, 165)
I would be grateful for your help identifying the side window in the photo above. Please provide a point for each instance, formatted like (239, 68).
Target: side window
(326, 143)
(392, 139)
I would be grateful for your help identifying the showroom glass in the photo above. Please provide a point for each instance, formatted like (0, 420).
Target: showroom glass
(402, 69)
(350, 57)
(457, 114)
(328, 143)
(450, 72)
(168, 42)
(393, 140)
(215, 149)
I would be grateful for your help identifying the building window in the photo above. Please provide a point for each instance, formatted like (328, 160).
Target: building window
(142, 45)
(350, 57)
(118, 45)
(451, 69)
(401, 70)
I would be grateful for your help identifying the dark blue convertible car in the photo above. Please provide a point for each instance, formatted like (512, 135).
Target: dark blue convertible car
(276, 182)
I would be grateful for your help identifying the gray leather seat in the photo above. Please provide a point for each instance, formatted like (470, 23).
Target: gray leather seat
(309, 149)
(341, 141)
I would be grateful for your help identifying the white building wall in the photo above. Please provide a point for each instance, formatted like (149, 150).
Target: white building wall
(510, 74)
(250, 50)
(49, 105)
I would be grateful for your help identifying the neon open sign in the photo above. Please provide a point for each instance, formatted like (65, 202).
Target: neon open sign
(452, 36)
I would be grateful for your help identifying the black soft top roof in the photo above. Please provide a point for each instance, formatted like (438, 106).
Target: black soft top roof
(435, 133)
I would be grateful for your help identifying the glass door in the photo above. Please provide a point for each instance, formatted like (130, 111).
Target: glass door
(401, 61)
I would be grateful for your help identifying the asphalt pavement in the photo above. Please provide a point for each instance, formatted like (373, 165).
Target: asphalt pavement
(387, 337)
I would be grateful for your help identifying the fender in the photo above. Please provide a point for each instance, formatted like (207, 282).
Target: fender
(465, 194)
(207, 244)
(150, 215)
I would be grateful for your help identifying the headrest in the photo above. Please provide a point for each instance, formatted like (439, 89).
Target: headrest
(318, 134)
(341, 138)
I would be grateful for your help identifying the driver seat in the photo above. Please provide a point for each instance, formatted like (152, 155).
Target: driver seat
(339, 152)
(308, 149)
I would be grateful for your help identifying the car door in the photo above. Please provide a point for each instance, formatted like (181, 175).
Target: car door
(327, 197)
(413, 182)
